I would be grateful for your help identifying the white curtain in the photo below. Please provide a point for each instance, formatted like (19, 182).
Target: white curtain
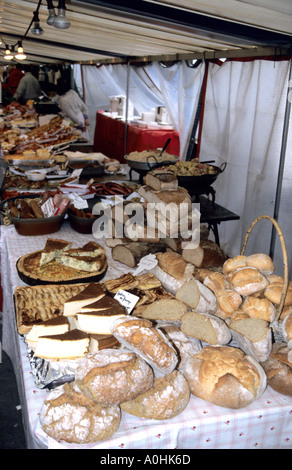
(176, 87)
(243, 124)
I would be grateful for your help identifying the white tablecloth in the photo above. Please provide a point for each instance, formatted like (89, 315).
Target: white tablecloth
(265, 424)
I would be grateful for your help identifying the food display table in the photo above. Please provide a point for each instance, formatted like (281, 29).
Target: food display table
(265, 424)
(109, 138)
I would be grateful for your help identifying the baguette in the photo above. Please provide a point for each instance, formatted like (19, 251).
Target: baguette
(225, 376)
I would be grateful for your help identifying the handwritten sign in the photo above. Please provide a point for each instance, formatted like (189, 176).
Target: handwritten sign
(127, 300)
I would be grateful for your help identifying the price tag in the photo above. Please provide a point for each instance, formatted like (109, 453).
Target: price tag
(146, 263)
(48, 208)
(127, 300)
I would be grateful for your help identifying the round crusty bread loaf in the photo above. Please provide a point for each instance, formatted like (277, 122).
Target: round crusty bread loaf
(139, 335)
(279, 369)
(248, 281)
(232, 264)
(227, 302)
(286, 328)
(253, 336)
(206, 327)
(172, 270)
(257, 307)
(112, 376)
(262, 262)
(168, 397)
(70, 416)
(274, 291)
(216, 281)
(225, 376)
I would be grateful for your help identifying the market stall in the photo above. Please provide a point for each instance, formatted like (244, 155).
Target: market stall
(265, 423)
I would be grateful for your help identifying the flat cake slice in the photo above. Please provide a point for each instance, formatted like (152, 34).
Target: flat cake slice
(91, 293)
(70, 345)
(98, 322)
(54, 326)
(98, 342)
(82, 263)
(105, 303)
(53, 248)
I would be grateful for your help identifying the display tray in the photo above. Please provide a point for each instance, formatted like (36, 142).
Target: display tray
(29, 270)
(34, 304)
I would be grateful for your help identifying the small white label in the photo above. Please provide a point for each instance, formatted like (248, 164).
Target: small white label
(126, 299)
(146, 263)
(48, 208)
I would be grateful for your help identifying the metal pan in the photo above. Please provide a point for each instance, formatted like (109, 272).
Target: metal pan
(199, 184)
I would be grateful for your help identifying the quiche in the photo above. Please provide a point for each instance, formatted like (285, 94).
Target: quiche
(63, 266)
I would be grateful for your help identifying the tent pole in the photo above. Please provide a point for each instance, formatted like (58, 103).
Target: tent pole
(127, 106)
(282, 160)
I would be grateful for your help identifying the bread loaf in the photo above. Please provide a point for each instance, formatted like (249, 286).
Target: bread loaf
(172, 270)
(206, 327)
(228, 301)
(248, 281)
(168, 397)
(232, 264)
(112, 376)
(225, 376)
(164, 310)
(262, 262)
(278, 368)
(253, 336)
(257, 307)
(140, 336)
(70, 416)
(286, 328)
(179, 198)
(185, 345)
(161, 180)
(215, 281)
(207, 254)
(274, 291)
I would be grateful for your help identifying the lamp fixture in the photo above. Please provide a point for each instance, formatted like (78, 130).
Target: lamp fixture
(52, 13)
(8, 54)
(60, 21)
(37, 30)
(20, 54)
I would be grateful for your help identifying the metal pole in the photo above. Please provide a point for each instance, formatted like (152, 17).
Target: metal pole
(127, 106)
(282, 161)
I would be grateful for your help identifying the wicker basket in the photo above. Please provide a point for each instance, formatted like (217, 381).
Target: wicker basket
(275, 325)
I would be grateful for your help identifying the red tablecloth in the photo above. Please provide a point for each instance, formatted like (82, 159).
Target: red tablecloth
(109, 138)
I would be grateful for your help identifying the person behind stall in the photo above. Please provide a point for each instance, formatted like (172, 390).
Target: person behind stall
(28, 88)
(11, 83)
(72, 106)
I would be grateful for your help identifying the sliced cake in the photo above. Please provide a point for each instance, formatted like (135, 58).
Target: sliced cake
(54, 326)
(98, 342)
(53, 248)
(70, 345)
(91, 293)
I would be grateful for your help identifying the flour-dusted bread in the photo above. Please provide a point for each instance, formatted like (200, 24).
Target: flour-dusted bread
(207, 254)
(185, 345)
(274, 291)
(112, 376)
(179, 198)
(225, 376)
(228, 301)
(168, 397)
(286, 328)
(248, 281)
(140, 336)
(197, 296)
(262, 262)
(232, 264)
(172, 270)
(278, 368)
(164, 310)
(68, 415)
(257, 307)
(253, 336)
(206, 327)
(215, 281)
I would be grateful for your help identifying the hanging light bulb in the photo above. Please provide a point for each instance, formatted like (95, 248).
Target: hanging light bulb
(20, 54)
(60, 21)
(37, 30)
(8, 54)
(52, 14)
